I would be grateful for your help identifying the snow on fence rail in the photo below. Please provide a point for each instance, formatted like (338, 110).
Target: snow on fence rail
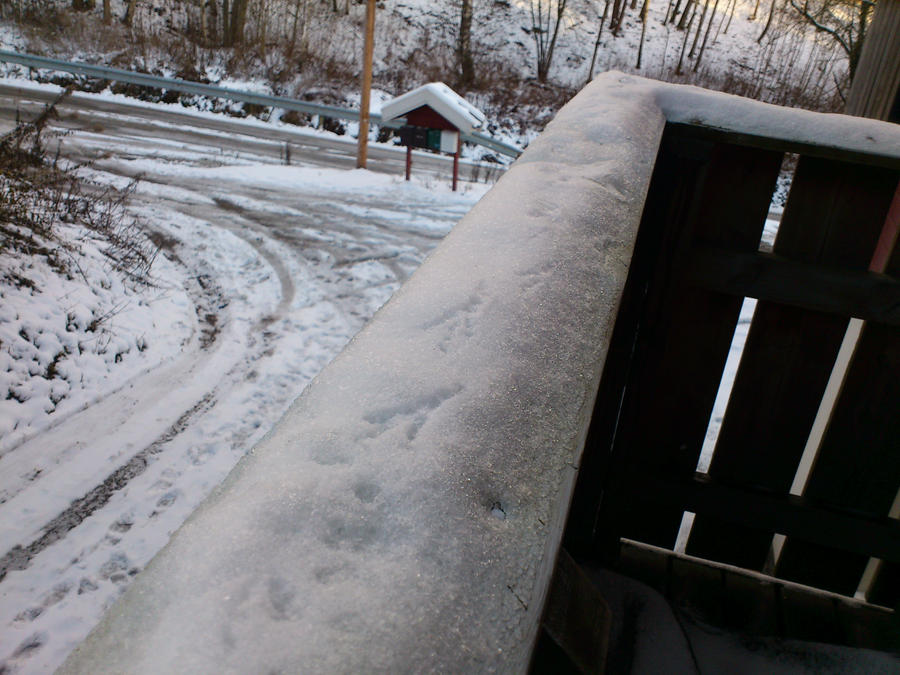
(406, 513)
(188, 87)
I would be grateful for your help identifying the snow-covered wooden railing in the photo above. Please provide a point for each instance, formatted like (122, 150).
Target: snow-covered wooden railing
(407, 512)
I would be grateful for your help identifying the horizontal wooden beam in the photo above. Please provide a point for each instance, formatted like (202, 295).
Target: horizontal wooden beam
(577, 617)
(786, 514)
(765, 276)
(781, 144)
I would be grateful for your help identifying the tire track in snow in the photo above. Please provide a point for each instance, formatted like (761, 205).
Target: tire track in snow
(19, 556)
(204, 291)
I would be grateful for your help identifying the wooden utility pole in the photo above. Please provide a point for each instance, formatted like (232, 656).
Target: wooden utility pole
(876, 84)
(363, 139)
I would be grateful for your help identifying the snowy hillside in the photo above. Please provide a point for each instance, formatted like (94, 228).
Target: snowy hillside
(307, 49)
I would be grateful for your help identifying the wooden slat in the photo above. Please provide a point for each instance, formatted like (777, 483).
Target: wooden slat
(783, 145)
(847, 293)
(787, 514)
(645, 565)
(751, 605)
(858, 465)
(867, 627)
(692, 195)
(886, 589)
(685, 332)
(680, 170)
(577, 617)
(810, 617)
(833, 217)
(699, 589)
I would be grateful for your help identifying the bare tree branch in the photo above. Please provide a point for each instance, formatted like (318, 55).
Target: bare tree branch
(804, 12)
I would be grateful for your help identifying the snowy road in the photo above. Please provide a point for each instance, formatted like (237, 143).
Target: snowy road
(267, 271)
(128, 123)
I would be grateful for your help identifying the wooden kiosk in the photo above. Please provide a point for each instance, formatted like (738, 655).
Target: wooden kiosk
(436, 116)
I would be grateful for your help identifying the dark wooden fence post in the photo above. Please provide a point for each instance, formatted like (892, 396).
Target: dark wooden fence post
(876, 87)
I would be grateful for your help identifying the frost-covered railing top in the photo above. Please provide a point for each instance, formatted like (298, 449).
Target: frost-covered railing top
(406, 513)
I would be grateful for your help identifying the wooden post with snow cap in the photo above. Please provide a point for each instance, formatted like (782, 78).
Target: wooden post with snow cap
(363, 138)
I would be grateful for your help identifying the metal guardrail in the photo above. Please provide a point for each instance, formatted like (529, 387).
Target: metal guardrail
(188, 87)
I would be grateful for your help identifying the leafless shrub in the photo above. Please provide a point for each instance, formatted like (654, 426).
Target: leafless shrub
(38, 192)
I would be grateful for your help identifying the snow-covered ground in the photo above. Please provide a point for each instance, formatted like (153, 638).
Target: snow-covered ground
(130, 405)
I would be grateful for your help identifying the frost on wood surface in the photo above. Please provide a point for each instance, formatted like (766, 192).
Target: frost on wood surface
(685, 104)
(407, 508)
(693, 105)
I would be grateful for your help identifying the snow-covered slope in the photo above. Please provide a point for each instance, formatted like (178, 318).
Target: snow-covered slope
(416, 43)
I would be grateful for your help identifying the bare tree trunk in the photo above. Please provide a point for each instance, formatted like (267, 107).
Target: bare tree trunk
(292, 40)
(665, 51)
(262, 24)
(687, 34)
(226, 24)
(752, 17)
(540, 28)
(129, 13)
(730, 17)
(212, 24)
(644, 10)
(597, 41)
(560, 10)
(686, 14)
(706, 35)
(618, 8)
(620, 19)
(107, 12)
(699, 30)
(669, 10)
(464, 47)
(204, 26)
(538, 33)
(238, 20)
(768, 22)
